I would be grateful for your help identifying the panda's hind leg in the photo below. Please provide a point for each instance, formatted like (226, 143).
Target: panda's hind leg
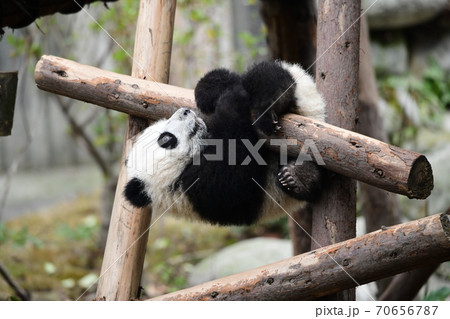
(308, 101)
(303, 182)
(212, 86)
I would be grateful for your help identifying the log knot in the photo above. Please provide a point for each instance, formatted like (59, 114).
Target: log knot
(61, 73)
(214, 294)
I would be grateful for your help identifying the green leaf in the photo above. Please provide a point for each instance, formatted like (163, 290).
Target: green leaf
(198, 15)
(438, 295)
(3, 234)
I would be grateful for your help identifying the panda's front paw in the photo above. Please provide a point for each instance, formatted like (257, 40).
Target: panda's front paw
(303, 182)
(266, 122)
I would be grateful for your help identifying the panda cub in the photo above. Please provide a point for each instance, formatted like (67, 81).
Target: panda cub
(204, 166)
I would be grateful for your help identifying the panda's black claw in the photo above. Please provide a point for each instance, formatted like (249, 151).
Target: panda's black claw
(303, 182)
(266, 121)
(274, 117)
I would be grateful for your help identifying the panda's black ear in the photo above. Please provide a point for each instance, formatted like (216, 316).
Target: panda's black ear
(209, 89)
(135, 192)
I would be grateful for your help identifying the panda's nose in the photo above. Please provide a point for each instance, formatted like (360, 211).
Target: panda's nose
(186, 112)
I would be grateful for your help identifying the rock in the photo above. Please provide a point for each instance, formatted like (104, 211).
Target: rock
(245, 255)
(389, 14)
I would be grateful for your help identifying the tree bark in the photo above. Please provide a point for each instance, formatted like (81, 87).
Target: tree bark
(344, 152)
(291, 36)
(334, 215)
(336, 267)
(128, 232)
(291, 30)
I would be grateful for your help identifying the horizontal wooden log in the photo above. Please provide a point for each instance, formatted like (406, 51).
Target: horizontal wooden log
(341, 266)
(344, 152)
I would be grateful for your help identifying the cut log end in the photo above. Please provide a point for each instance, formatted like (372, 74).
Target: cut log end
(445, 222)
(420, 180)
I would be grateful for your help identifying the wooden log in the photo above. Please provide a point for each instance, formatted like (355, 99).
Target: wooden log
(344, 152)
(334, 268)
(128, 232)
(337, 68)
(291, 30)
(8, 89)
(291, 36)
(406, 286)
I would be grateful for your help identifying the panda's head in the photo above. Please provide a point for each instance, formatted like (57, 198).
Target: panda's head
(160, 154)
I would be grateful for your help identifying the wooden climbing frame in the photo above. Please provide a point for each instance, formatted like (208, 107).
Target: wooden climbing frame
(355, 156)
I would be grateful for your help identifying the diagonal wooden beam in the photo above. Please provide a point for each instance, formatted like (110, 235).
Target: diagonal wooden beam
(345, 152)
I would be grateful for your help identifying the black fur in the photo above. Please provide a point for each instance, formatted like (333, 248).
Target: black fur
(272, 90)
(135, 193)
(227, 194)
(230, 104)
(209, 89)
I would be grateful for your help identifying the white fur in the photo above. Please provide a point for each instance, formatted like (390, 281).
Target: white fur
(310, 102)
(159, 168)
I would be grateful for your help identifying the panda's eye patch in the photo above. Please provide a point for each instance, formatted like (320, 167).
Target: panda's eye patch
(167, 140)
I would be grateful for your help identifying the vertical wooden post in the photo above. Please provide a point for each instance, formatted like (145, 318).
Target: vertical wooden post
(334, 215)
(8, 89)
(291, 36)
(128, 232)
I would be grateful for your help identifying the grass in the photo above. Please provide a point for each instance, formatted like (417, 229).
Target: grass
(54, 245)
(53, 254)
